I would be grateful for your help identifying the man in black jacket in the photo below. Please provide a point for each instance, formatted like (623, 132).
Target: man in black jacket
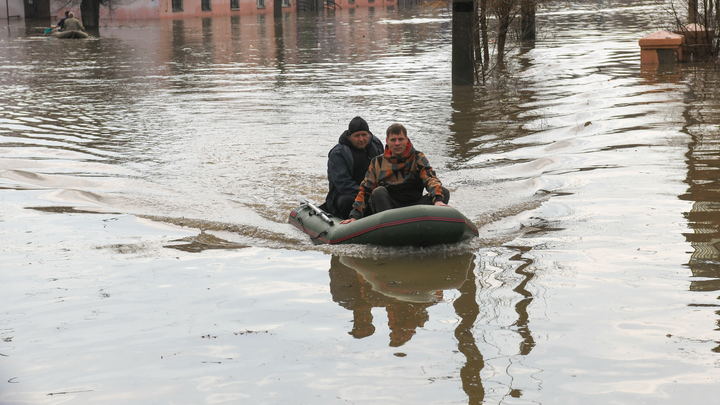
(61, 23)
(347, 164)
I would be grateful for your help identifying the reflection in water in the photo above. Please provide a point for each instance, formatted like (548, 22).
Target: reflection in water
(703, 178)
(521, 307)
(280, 48)
(513, 271)
(464, 118)
(178, 49)
(405, 288)
(467, 308)
(207, 38)
(703, 160)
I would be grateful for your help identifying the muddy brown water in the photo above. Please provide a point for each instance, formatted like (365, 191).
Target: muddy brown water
(146, 176)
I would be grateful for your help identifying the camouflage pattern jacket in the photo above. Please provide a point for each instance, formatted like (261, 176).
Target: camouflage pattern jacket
(405, 179)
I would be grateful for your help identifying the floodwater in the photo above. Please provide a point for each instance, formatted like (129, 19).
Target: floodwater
(146, 177)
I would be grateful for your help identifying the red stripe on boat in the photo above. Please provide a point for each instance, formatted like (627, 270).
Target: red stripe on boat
(399, 222)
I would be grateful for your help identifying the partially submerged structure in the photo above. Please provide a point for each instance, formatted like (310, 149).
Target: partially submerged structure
(688, 43)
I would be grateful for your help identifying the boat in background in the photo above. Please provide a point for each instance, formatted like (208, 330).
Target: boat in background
(417, 225)
(71, 34)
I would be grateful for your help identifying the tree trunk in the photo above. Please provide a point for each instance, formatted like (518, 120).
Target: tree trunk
(484, 33)
(692, 11)
(717, 24)
(503, 26)
(90, 12)
(709, 7)
(527, 20)
(477, 50)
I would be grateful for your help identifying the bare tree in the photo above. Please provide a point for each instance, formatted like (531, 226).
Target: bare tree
(697, 20)
(504, 12)
(480, 39)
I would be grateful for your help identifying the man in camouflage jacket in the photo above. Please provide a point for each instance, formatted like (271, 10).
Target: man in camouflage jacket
(397, 178)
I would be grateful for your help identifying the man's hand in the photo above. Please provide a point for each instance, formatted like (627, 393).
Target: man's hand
(347, 221)
(441, 204)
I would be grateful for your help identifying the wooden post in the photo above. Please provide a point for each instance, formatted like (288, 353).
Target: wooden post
(462, 43)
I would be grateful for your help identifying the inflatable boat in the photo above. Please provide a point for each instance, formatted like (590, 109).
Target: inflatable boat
(71, 34)
(418, 225)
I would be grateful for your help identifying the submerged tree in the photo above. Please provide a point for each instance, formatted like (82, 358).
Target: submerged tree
(697, 20)
(504, 13)
(527, 23)
(90, 11)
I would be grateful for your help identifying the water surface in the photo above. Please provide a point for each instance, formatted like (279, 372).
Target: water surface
(146, 177)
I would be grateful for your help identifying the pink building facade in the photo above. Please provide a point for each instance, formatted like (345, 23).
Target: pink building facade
(206, 8)
(172, 9)
(203, 8)
(209, 8)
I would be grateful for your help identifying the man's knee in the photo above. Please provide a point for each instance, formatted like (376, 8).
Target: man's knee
(380, 200)
(380, 192)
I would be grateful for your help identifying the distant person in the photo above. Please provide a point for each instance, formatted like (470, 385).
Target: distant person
(347, 164)
(73, 24)
(397, 178)
(61, 23)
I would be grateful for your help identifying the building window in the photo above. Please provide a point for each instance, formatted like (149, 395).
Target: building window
(261, 3)
(206, 5)
(177, 5)
(234, 4)
(286, 3)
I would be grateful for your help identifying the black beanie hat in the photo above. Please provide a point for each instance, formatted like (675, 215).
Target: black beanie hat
(358, 124)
